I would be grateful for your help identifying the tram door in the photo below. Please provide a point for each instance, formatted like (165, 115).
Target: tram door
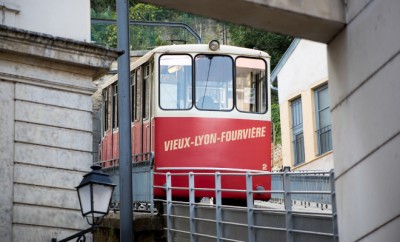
(141, 131)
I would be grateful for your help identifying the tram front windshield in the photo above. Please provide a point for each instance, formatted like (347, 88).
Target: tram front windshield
(212, 87)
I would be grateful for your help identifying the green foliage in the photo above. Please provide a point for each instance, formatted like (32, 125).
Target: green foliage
(277, 123)
(145, 37)
(274, 44)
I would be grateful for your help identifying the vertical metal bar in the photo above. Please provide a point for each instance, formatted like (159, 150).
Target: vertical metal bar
(191, 206)
(169, 206)
(334, 211)
(151, 190)
(124, 116)
(288, 206)
(250, 205)
(218, 208)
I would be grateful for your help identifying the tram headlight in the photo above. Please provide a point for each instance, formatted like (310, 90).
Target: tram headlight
(213, 45)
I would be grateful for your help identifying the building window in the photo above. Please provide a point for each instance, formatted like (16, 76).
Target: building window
(323, 119)
(297, 129)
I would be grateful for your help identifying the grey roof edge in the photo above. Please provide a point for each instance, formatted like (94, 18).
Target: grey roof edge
(284, 59)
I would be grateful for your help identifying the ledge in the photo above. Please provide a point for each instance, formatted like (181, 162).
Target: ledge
(68, 51)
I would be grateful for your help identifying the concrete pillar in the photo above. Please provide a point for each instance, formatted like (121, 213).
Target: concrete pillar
(6, 159)
(364, 68)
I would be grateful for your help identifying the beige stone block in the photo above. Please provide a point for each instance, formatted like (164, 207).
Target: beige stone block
(52, 157)
(368, 196)
(46, 196)
(47, 177)
(6, 158)
(29, 233)
(49, 217)
(54, 137)
(53, 97)
(364, 46)
(42, 72)
(367, 119)
(53, 116)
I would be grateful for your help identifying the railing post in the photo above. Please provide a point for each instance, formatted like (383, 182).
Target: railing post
(151, 190)
(169, 206)
(218, 208)
(192, 206)
(334, 211)
(250, 206)
(288, 206)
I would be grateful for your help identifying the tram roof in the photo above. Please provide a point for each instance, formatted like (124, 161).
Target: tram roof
(192, 49)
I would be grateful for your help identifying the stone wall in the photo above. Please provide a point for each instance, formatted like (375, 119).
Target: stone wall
(46, 126)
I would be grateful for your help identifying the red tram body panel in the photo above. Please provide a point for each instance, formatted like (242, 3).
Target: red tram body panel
(210, 145)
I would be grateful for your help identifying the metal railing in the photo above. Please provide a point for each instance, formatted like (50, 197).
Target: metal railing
(304, 181)
(258, 221)
(142, 181)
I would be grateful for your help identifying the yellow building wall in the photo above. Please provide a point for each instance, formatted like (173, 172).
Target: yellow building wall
(309, 127)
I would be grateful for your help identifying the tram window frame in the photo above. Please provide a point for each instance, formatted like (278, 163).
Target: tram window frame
(146, 90)
(138, 94)
(132, 95)
(105, 113)
(232, 82)
(115, 121)
(189, 99)
(265, 87)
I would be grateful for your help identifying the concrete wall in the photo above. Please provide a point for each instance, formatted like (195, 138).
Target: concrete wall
(68, 19)
(305, 69)
(364, 66)
(46, 126)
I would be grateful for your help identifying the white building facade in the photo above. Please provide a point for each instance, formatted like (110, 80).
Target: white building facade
(302, 76)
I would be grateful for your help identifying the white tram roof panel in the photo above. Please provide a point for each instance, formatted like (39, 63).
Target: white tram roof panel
(192, 49)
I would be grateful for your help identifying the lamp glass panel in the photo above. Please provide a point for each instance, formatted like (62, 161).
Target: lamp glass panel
(84, 195)
(101, 197)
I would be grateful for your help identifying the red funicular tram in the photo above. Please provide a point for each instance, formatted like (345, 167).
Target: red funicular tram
(199, 108)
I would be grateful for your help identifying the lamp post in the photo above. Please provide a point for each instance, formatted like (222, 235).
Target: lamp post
(94, 193)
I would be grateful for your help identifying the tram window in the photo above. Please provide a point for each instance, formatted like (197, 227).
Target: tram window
(251, 91)
(115, 107)
(214, 82)
(175, 82)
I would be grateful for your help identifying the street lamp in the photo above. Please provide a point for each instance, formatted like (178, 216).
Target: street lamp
(94, 193)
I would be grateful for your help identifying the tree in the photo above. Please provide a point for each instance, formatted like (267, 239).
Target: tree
(274, 44)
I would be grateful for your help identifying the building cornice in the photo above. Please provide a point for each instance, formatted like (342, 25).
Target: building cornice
(94, 57)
